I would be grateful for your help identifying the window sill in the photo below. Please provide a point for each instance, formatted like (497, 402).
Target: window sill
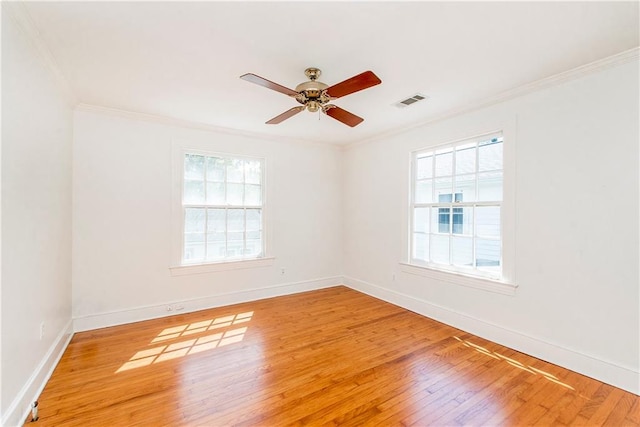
(486, 284)
(183, 270)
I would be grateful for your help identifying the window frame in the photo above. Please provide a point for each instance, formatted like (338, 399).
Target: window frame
(177, 265)
(226, 207)
(506, 283)
(453, 204)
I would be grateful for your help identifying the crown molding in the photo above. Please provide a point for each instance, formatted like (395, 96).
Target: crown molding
(547, 82)
(181, 123)
(18, 11)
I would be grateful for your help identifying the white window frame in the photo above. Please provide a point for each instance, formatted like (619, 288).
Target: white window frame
(506, 283)
(177, 266)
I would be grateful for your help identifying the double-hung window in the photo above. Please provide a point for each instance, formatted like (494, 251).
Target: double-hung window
(456, 206)
(222, 208)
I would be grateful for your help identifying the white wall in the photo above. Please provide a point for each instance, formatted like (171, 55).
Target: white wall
(576, 226)
(123, 220)
(36, 220)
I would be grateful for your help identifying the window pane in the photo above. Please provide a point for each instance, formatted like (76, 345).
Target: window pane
(490, 155)
(462, 251)
(424, 167)
(194, 167)
(215, 193)
(443, 188)
(252, 195)
(253, 172)
(216, 246)
(217, 237)
(235, 221)
(445, 198)
(466, 159)
(234, 237)
(235, 194)
(440, 220)
(235, 170)
(421, 220)
(194, 220)
(194, 247)
(466, 186)
(257, 234)
(254, 220)
(193, 192)
(488, 221)
(444, 162)
(463, 221)
(439, 249)
(215, 169)
(488, 255)
(235, 244)
(424, 191)
(253, 247)
(421, 246)
(216, 221)
(490, 187)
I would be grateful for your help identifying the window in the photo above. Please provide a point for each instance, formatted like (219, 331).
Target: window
(457, 197)
(222, 208)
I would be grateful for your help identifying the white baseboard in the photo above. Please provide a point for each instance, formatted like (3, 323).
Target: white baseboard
(591, 366)
(137, 314)
(21, 405)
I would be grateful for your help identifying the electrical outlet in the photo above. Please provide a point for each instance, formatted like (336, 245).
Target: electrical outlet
(282, 271)
(41, 330)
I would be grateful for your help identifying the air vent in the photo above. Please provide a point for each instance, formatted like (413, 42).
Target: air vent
(411, 100)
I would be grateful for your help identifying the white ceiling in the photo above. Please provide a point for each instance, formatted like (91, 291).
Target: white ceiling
(183, 60)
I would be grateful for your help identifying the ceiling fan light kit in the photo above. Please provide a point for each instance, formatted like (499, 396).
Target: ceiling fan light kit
(315, 95)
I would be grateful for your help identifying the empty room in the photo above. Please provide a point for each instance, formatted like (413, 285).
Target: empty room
(320, 213)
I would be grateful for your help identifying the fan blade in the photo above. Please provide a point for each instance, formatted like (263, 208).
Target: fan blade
(284, 116)
(354, 84)
(343, 116)
(268, 84)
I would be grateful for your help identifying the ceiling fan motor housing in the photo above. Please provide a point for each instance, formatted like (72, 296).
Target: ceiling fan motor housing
(312, 90)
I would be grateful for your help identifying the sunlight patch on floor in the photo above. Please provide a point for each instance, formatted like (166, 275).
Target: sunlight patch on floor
(513, 362)
(192, 345)
(202, 326)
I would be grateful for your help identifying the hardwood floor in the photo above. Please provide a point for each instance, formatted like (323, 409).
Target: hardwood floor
(333, 356)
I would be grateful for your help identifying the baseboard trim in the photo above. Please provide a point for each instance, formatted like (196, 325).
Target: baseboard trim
(609, 372)
(21, 405)
(137, 314)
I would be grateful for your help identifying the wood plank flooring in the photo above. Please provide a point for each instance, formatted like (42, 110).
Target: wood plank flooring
(328, 357)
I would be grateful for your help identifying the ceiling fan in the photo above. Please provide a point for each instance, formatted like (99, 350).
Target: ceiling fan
(315, 95)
